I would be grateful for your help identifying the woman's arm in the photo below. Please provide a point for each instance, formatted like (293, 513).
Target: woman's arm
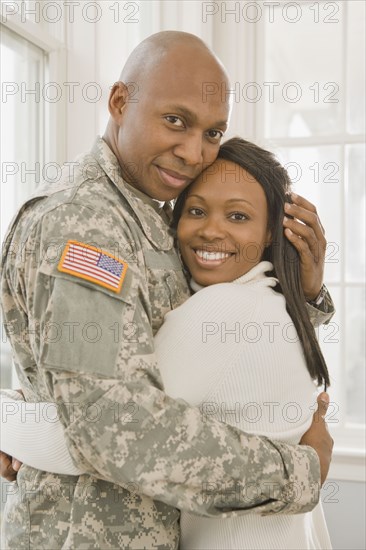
(32, 433)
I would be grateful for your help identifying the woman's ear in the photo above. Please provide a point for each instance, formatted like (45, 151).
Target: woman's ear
(117, 101)
(268, 240)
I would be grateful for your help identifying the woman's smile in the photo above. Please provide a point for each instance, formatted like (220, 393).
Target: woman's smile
(217, 232)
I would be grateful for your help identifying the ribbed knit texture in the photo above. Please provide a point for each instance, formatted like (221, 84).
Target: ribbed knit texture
(32, 433)
(232, 349)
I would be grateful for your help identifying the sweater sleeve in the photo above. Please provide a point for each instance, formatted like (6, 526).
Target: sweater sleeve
(24, 423)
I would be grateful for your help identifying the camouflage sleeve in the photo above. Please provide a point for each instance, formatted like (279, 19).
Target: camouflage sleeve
(95, 351)
(321, 314)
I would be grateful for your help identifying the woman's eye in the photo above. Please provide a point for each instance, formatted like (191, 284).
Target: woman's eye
(195, 211)
(175, 120)
(238, 216)
(215, 135)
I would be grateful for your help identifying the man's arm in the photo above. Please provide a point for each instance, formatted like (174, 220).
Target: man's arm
(322, 309)
(128, 431)
(45, 458)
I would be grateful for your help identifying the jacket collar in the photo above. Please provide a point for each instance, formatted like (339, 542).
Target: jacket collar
(152, 216)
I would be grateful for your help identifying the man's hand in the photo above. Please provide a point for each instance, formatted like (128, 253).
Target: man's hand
(318, 436)
(9, 467)
(309, 240)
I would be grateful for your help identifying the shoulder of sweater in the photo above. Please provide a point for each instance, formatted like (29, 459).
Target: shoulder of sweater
(223, 300)
(242, 292)
(229, 300)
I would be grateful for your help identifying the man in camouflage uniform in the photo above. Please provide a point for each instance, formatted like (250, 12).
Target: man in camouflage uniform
(89, 271)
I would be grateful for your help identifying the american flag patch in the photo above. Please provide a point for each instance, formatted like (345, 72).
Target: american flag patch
(93, 264)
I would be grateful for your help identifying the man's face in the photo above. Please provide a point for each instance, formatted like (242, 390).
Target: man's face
(174, 130)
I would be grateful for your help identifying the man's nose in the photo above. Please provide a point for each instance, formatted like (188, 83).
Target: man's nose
(190, 149)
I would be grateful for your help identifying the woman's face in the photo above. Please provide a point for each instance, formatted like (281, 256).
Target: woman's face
(222, 232)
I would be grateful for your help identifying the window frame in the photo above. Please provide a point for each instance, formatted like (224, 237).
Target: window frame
(349, 448)
(53, 115)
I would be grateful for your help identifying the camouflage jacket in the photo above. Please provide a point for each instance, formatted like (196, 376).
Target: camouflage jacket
(84, 340)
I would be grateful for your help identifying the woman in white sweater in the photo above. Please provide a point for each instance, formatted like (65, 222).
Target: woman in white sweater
(242, 347)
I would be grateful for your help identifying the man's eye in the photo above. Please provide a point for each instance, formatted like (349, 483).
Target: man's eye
(238, 216)
(175, 120)
(215, 135)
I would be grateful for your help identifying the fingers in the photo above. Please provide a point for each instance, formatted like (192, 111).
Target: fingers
(301, 242)
(307, 212)
(323, 398)
(301, 201)
(6, 467)
(321, 411)
(318, 436)
(323, 404)
(16, 464)
(311, 228)
(306, 205)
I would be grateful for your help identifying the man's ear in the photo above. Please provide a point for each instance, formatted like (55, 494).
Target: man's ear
(117, 101)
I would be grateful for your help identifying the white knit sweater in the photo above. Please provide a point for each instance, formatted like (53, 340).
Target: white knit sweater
(232, 350)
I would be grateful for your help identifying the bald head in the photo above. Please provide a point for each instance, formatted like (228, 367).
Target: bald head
(155, 49)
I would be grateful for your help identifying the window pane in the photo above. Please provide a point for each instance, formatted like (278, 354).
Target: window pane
(316, 175)
(52, 15)
(305, 58)
(355, 213)
(21, 138)
(356, 67)
(355, 353)
(21, 115)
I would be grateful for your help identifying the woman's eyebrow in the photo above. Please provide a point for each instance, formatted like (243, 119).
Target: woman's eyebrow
(228, 201)
(239, 200)
(196, 196)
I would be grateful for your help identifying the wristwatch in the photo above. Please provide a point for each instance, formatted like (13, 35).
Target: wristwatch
(318, 300)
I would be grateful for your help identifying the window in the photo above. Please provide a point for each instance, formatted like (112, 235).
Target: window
(310, 72)
(22, 136)
(30, 57)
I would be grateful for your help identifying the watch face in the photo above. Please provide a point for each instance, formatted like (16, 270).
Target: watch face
(318, 300)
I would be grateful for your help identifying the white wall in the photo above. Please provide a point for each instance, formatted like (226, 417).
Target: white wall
(344, 508)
